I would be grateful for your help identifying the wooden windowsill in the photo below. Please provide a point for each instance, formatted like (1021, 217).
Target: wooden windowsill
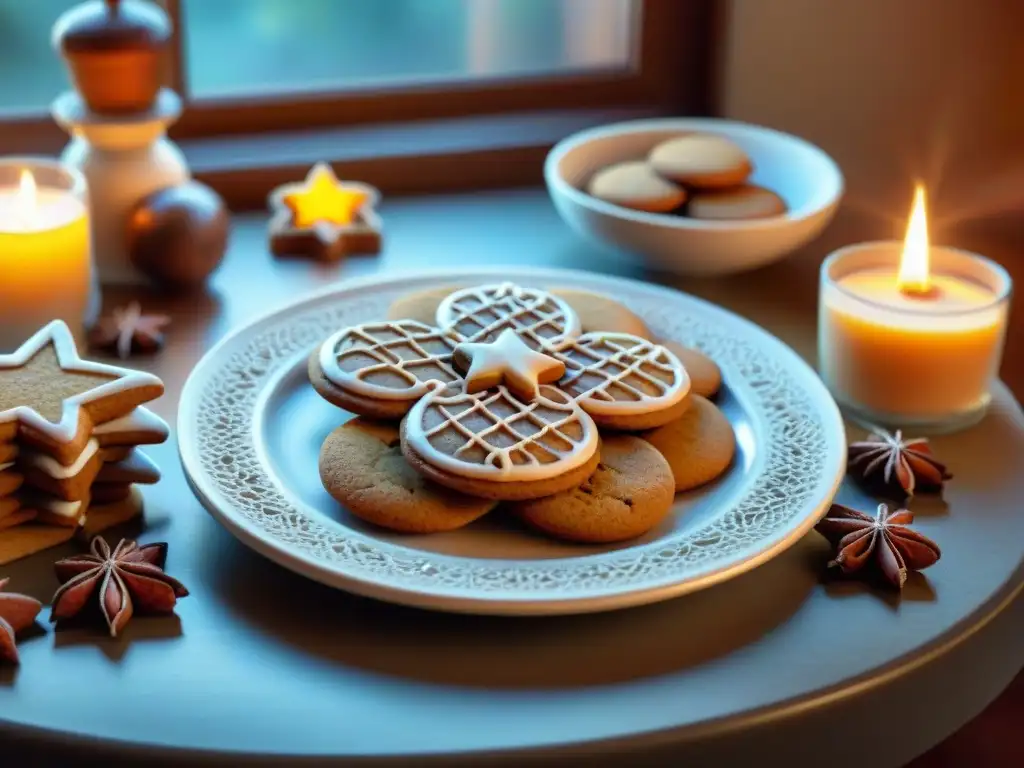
(449, 155)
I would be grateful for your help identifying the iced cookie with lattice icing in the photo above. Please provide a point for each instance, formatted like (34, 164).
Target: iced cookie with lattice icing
(699, 446)
(483, 312)
(51, 399)
(624, 382)
(629, 493)
(381, 369)
(362, 467)
(494, 445)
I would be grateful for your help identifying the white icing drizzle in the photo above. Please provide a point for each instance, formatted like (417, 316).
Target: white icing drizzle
(45, 503)
(56, 333)
(518, 308)
(375, 340)
(140, 419)
(8, 465)
(54, 468)
(498, 465)
(629, 354)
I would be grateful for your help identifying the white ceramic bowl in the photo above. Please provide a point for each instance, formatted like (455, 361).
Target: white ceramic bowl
(807, 179)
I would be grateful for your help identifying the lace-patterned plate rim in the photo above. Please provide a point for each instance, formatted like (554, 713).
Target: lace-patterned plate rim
(800, 433)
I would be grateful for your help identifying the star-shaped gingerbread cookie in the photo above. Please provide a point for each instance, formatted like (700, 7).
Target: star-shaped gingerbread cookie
(506, 360)
(50, 397)
(324, 218)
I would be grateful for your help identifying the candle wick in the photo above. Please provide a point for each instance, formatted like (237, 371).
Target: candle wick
(922, 291)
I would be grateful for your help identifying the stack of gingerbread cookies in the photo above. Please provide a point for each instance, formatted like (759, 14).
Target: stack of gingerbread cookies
(557, 409)
(69, 431)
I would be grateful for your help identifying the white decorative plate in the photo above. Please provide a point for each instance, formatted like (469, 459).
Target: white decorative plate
(250, 429)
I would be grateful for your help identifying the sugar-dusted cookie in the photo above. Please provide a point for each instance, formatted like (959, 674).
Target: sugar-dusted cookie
(362, 467)
(493, 445)
(51, 399)
(624, 382)
(699, 446)
(381, 369)
(701, 160)
(483, 312)
(705, 375)
(30, 538)
(739, 203)
(139, 427)
(598, 312)
(634, 184)
(420, 306)
(630, 492)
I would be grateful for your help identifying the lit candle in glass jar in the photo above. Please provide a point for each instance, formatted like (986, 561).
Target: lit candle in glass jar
(912, 334)
(45, 253)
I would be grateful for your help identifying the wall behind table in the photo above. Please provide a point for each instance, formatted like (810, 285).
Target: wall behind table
(895, 90)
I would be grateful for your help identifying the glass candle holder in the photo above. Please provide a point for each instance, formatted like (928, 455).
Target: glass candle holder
(46, 268)
(897, 359)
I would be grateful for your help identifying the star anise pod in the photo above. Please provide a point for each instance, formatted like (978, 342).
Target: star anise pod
(885, 540)
(131, 577)
(17, 613)
(127, 330)
(888, 463)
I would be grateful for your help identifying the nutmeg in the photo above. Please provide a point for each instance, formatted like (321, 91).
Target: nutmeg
(113, 49)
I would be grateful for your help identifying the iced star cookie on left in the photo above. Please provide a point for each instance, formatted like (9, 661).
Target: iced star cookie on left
(63, 422)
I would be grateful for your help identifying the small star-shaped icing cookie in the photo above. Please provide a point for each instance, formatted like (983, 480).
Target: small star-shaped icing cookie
(324, 217)
(322, 198)
(45, 386)
(507, 360)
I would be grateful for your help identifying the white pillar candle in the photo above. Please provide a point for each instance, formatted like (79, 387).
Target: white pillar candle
(45, 254)
(912, 334)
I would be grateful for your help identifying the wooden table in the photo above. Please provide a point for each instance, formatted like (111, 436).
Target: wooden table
(449, 231)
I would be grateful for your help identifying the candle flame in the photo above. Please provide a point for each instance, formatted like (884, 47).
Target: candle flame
(27, 199)
(914, 269)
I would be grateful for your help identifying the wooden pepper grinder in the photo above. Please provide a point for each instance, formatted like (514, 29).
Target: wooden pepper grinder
(118, 117)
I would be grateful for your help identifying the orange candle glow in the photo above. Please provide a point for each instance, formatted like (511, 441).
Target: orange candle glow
(45, 255)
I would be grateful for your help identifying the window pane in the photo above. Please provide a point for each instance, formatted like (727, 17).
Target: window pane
(31, 73)
(254, 46)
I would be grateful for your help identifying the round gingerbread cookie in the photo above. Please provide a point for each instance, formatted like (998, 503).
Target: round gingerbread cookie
(630, 492)
(362, 467)
(380, 369)
(705, 375)
(635, 185)
(420, 305)
(699, 446)
(598, 312)
(624, 382)
(748, 201)
(495, 445)
(701, 160)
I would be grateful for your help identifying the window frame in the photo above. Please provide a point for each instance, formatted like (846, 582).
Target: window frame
(672, 74)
